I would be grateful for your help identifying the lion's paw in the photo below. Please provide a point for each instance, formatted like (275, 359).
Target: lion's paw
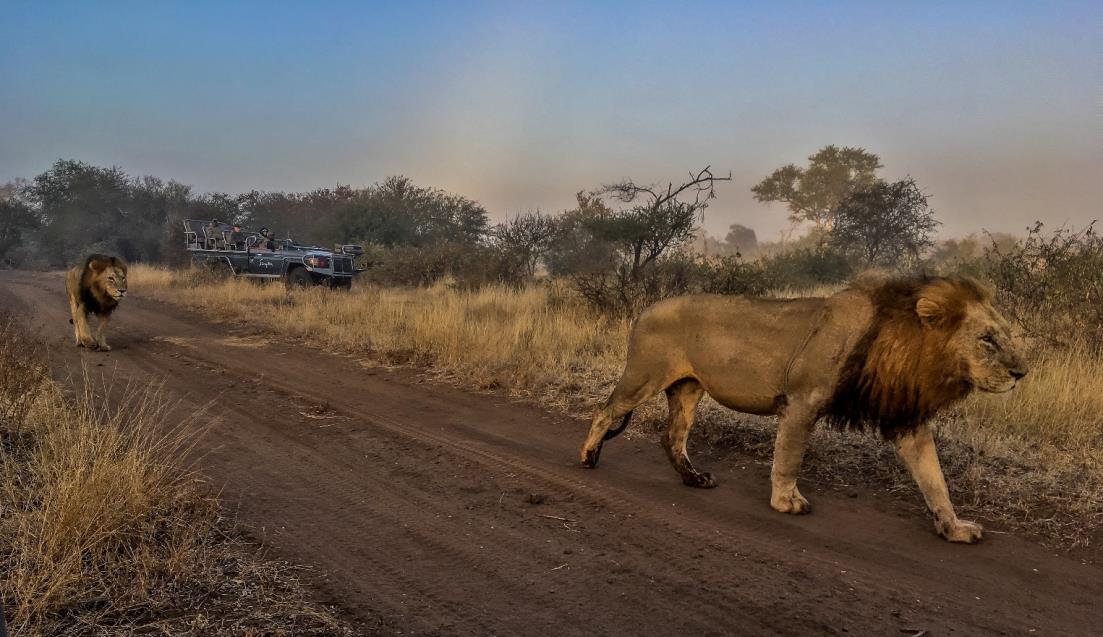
(790, 501)
(703, 480)
(960, 531)
(103, 347)
(591, 456)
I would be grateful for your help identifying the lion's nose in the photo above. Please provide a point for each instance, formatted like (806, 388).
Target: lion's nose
(1018, 374)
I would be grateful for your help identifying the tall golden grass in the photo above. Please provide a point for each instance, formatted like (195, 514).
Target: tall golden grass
(538, 341)
(543, 343)
(101, 533)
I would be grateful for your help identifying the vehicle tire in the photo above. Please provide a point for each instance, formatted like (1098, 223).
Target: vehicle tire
(299, 279)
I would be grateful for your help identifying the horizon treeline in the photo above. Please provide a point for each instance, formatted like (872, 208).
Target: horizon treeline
(621, 247)
(75, 208)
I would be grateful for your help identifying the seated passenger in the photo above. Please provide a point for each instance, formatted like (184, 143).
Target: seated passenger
(216, 240)
(266, 241)
(237, 238)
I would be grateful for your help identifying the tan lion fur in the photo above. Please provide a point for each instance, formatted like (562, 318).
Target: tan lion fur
(885, 353)
(95, 288)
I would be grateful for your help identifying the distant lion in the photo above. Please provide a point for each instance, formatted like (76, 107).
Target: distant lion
(95, 288)
(883, 353)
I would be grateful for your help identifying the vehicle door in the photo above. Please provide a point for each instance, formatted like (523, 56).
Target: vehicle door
(265, 264)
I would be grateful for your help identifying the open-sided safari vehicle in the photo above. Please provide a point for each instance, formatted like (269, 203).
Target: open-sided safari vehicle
(250, 254)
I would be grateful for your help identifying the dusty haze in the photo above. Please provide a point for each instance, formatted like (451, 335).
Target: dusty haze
(993, 107)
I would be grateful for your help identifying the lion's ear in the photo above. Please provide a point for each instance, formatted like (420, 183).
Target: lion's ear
(98, 265)
(928, 310)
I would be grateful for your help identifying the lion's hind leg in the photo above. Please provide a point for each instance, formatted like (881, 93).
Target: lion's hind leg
(631, 390)
(683, 397)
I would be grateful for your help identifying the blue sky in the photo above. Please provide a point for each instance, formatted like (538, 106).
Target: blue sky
(995, 108)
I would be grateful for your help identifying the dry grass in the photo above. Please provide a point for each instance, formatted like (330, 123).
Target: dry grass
(538, 341)
(1061, 404)
(100, 533)
(1031, 460)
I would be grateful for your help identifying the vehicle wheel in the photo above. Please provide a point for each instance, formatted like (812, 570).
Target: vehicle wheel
(299, 279)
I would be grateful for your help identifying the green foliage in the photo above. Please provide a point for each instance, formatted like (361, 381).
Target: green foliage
(17, 220)
(75, 208)
(886, 224)
(82, 207)
(742, 239)
(815, 192)
(643, 233)
(306, 217)
(660, 220)
(1052, 284)
(464, 266)
(621, 260)
(615, 292)
(396, 212)
(804, 268)
(574, 248)
(734, 275)
(619, 292)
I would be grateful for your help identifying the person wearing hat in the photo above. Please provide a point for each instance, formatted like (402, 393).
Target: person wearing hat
(266, 241)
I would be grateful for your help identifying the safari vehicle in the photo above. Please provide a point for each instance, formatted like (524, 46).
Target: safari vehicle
(245, 254)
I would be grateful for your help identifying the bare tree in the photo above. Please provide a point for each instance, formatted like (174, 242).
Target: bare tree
(663, 218)
(526, 237)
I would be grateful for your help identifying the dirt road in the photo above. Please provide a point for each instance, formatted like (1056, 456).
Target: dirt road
(430, 511)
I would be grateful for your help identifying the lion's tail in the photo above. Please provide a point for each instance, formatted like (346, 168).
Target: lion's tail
(616, 431)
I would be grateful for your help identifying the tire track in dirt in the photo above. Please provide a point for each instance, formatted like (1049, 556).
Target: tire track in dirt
(413, 500)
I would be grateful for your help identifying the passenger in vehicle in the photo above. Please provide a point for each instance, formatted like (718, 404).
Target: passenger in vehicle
(266, 240)
(216, 240)
(237, 238)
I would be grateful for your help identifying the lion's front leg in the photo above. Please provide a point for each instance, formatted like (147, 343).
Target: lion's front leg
(792, 439)
(101, 332)
(81, 332)
(918, 452)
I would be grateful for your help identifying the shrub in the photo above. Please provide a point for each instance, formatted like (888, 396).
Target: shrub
(468, 266)
(805, 268)
(1052, 285)
(733, 275)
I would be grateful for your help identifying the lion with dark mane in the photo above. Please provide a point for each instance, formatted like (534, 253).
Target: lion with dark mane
(883, 354)
(95, 288)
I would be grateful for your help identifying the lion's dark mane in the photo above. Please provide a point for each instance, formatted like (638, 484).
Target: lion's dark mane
(96, 303)
(900, 373)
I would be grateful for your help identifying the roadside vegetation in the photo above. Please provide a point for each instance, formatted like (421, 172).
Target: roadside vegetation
(101, 533)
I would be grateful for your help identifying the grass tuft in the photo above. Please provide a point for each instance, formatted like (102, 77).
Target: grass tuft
(101, 533)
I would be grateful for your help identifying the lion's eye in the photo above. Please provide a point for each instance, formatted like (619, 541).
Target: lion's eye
(989, 340)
